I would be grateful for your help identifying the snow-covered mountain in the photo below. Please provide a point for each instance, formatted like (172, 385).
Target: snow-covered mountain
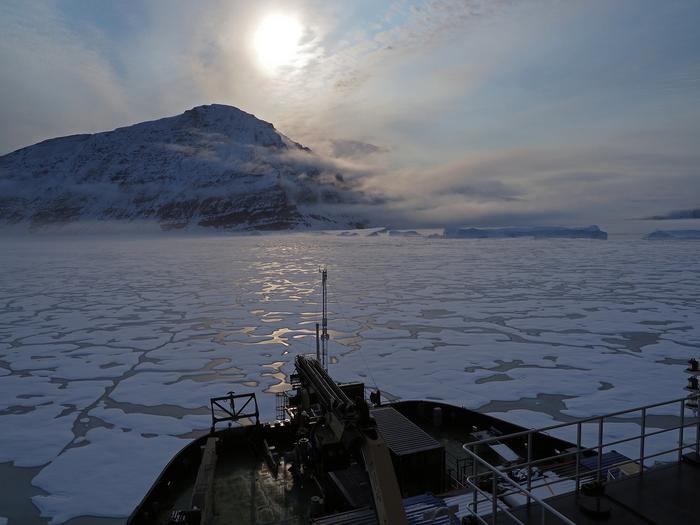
(212, 166)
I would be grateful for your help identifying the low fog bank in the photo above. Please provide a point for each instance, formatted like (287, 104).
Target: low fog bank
(614, 187)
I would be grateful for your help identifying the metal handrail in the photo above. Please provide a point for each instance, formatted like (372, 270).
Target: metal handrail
(496, 505)
(595, 447)
(571, 423)
(455, 476)
(589, 474)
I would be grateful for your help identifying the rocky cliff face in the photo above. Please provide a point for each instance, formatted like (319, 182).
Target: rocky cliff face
(212, 166)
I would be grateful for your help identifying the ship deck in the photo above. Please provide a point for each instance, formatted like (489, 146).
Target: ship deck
(664, 495)
(246, 492)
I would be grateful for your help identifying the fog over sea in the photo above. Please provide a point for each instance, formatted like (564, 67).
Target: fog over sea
(110, 348)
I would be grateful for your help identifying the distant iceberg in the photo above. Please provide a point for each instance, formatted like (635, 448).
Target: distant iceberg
(537, 232)
(404, 233)
(674, 235)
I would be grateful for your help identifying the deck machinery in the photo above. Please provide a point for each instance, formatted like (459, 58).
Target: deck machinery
(339, 444)
(331, 458)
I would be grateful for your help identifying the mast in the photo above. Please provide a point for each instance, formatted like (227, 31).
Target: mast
(324, 318)
(318, 348)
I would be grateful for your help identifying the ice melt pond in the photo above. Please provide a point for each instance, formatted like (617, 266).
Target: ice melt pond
(110, 349)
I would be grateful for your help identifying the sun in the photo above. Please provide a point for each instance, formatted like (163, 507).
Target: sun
(277, 42)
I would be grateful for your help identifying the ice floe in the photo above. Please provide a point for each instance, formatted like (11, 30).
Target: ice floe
(103, 478)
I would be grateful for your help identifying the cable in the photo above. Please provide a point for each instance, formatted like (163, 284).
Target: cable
(362, 355)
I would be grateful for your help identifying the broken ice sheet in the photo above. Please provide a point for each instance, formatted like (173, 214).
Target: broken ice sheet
(103, 478)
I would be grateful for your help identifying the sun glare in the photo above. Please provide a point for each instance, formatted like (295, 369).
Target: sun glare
(276, 41)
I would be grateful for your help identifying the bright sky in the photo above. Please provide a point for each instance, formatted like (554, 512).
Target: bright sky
(480, 108)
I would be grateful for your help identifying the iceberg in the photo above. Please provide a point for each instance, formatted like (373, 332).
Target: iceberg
(537, 232)
(674, 235)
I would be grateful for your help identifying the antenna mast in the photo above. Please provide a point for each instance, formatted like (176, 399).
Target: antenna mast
(324, 318)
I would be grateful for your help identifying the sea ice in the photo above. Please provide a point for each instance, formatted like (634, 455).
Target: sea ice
(537, 232)
(403, 233)
(674, 235)
(117, 344)
(103, 478)
(151, 423)
(36, 441)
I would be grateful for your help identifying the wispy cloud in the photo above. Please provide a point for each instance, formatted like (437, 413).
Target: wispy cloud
(354, 149)
(569, 186)
(54, 82)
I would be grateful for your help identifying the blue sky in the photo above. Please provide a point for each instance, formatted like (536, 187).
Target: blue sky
(479, 110)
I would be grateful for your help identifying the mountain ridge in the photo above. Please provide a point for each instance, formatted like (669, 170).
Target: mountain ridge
(692, 213)
(211, 166)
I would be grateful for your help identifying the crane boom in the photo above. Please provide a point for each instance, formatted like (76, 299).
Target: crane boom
(385, 488)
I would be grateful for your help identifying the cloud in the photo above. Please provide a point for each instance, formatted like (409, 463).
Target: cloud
(564, 186)
(53, 82)
(73, 73)
(349, 149)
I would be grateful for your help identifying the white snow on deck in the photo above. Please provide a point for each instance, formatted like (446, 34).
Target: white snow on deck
(110, 349)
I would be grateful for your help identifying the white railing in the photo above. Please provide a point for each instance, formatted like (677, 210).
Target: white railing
(508, 486)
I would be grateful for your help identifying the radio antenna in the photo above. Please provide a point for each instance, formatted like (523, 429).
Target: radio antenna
(324, 318)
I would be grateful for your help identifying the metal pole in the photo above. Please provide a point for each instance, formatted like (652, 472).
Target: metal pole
(474, 504)
(494, 505)
(680, 432)
(324, 319)
(578, 457)
(529, 466)
(697, 431)
(600, 448)
(641, 443)
(318, 345)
